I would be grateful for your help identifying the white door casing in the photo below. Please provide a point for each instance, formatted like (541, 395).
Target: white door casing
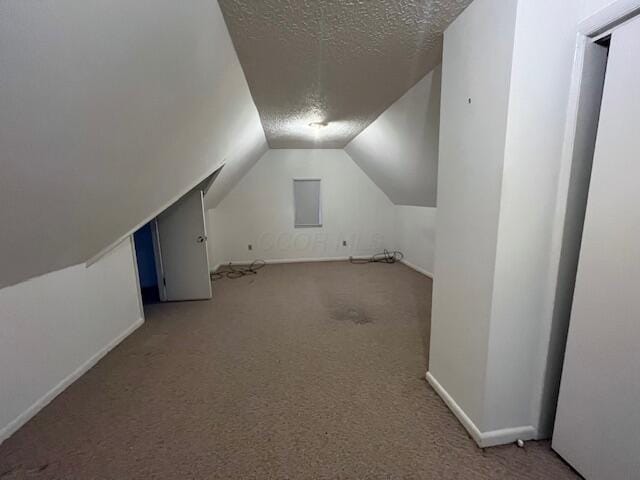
(183, 244)
(597, 427)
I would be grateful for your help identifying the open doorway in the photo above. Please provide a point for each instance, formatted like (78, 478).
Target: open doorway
(596, 426)
(172, 253)
(146, 259)
(583, 143)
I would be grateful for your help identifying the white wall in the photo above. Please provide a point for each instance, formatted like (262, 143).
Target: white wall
(472, 139)
(109, 109)
(250, 148)
(508, 316)
(399, 150)
(416, 236)
(54, 327)
(543, 56)
(259, 211)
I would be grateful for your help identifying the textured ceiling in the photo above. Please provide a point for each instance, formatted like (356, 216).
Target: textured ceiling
(337, 61)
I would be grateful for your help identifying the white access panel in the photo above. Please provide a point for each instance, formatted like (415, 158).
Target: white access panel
(597, 426)
(182, 237)
(307, 202)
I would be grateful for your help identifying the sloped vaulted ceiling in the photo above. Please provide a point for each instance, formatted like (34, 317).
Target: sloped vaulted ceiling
(337, 61)
(399, 150)
(109, 110)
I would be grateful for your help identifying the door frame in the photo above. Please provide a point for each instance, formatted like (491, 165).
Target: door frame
(600, 26)
(157, 253)
(134, 257)
(589, 30)
(206, 238)
(159, 243)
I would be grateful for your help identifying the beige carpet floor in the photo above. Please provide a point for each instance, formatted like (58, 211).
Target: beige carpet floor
(307, 371)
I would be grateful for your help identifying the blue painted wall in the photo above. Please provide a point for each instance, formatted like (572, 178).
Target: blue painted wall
(146, 260)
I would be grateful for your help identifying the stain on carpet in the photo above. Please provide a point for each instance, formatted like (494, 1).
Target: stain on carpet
(351, 313)
(309, 371)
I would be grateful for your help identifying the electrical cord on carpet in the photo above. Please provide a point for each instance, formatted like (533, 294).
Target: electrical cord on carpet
(233, 272)
(385, 257)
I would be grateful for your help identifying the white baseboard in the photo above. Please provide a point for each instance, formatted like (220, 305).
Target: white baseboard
(417, 268)
(296, 260)
(24, 417)
(483, 439)
(506, 436)
(320, 259)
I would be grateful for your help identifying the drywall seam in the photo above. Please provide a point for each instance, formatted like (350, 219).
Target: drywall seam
(43, 401)
(483, 439)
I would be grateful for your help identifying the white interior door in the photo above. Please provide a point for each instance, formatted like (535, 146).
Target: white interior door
(183, 247)
(597, 426)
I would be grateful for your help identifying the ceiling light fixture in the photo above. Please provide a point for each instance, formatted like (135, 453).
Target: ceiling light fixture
(318, 125)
